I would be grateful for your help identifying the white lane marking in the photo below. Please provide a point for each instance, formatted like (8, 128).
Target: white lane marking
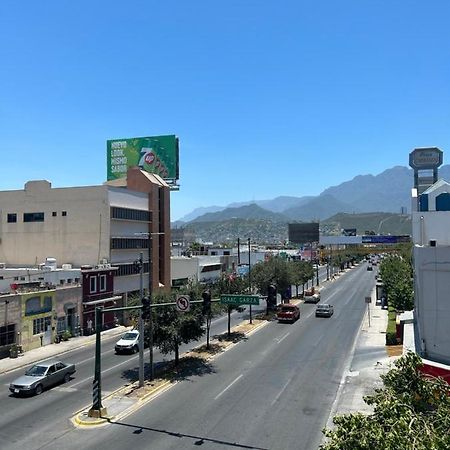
(228, 387)
(282, 390)
(103, 371)
(283, 338)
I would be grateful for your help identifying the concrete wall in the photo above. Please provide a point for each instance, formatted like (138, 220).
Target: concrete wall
(432, 301)
(79, 237)
(427, 225)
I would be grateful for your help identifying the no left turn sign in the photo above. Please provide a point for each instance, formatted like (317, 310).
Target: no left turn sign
(183, 303)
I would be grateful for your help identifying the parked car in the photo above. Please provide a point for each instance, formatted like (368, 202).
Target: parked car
(324, 310)
(288, 313)
(128, 343)
(41, 376)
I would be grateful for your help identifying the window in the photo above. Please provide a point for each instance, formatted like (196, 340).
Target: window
(69, 280)
(7, 334)
(33, 217)
(127, 243)
(22, 278)
(130, 214)
(77, 280)
(92, 285)
(40, 325)
(102, 283)
(12, 218)
(54, 213)
(33, 306)
(129, 269)
(64, 213)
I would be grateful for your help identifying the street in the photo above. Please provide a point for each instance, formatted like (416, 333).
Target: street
(273, 390)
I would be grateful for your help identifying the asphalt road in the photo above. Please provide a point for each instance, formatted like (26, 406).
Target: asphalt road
(274, 390)
(25, 423)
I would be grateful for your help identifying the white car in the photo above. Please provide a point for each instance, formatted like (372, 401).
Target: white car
(128, 343)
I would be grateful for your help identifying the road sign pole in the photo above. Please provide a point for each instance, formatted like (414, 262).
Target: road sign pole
(97, 409)
(141, 321)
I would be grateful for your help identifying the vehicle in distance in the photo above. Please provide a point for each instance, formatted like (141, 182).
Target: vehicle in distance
(288, 313)
(324, 310)
(314, 298)
(42, 376)
(128, 343)
(369, 268)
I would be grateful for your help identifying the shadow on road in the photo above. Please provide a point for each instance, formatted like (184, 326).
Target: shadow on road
(189, 366)
(235, 336)
(199, 440)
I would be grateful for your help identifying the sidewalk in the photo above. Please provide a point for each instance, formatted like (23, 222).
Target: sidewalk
(54, 350)
(369, 360)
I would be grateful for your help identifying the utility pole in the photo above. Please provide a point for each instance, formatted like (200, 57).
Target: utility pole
(141, 321)
(249, 277)
(150, 293)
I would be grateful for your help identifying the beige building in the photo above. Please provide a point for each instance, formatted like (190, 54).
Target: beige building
(101, 225)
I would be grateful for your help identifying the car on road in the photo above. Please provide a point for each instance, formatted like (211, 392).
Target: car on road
(128, 343)
(369, 268)
(315, 298)
(288, 313)
(42, 376)
(324, 310)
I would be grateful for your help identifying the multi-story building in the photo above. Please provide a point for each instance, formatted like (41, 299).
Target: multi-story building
(107, 224)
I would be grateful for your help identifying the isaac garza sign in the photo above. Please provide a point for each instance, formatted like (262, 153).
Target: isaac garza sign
(425, 158)
(232, 299)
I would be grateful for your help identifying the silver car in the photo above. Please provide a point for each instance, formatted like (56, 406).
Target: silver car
(324, 310)
(41, 376)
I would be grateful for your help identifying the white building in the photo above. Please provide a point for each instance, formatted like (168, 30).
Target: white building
(431, 238)
(93, 225)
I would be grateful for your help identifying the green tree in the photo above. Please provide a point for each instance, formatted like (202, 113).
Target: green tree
(172, 328)
(410, 412)
(300, 273)
(396, 274)
(274, 270)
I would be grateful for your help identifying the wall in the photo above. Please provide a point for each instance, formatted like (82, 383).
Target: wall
(80, 237)
(432, 301)
(434, 225)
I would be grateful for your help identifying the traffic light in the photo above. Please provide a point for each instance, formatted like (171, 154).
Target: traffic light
(146, 310)
(206, 295)
(271, 297)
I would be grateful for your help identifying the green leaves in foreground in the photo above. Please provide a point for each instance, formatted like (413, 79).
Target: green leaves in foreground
(411, 411)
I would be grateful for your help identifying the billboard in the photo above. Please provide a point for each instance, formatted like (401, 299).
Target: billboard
(425, 158)
(302, 233)
(154, 154)
(385, 239)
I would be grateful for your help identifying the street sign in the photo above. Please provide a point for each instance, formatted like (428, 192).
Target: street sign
(232, 299)
(368, 299)
(183, 303)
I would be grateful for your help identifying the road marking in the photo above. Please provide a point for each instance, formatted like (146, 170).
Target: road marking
(282, 390)
(228, 387)
(103, 371)
(283, 338)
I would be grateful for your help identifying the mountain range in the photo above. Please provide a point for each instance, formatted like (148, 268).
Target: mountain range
(388, 192)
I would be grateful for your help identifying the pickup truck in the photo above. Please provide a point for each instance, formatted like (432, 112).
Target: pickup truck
(288, 313)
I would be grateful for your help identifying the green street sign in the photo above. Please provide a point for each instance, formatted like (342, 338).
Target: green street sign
(232, 299)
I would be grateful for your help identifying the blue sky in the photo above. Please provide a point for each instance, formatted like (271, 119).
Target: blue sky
(268, 98)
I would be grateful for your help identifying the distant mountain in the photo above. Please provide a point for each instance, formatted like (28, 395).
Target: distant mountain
(389, 191)
(319, 208)
(380, 223)
(278, 204)
(252, 211)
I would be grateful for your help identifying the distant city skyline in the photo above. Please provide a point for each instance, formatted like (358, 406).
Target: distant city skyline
(267, 99)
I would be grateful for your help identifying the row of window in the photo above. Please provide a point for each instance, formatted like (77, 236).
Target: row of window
(129, 243)
(32, 217)
(62, 282)
(131, 214)
(129, 269)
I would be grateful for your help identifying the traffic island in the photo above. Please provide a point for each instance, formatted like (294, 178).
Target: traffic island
(131, 397)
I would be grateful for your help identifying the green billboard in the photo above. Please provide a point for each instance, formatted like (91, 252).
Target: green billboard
(154, 154)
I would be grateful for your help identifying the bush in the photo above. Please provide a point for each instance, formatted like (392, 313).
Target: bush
(391, 331)
(66, 335)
